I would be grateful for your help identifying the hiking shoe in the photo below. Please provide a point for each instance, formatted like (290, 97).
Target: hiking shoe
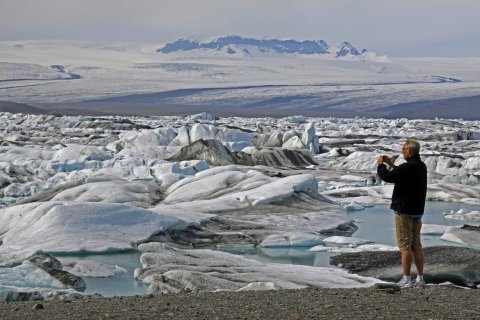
(419, 283)
(406, 282)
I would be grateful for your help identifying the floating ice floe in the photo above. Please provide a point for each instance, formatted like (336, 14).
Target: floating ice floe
(39, 277)
(94, 269)
(252, 208)
(433, 229)
(467, 194)
(140, 193)
(205, 116)
(467, 235)
(282, 252)
(366, 195)
(463, 214)
(454, 192)
(213, 186)
(359, 203)
(237, 190)
(354, 178)
(71, 227)
(297, 119)
(147, 138)
(360, 248)
(354, 206)
(28, 274)
(291, 240)
(170, 270)
(345, 241)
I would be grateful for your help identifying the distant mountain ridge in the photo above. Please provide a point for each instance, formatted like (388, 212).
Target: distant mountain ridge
(237, 44)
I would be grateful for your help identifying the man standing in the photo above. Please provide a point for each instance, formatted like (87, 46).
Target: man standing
(408, 202)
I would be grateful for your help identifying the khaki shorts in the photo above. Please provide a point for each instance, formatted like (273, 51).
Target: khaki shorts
(408, 231)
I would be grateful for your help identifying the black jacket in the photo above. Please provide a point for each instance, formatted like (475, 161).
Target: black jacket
(410, 188)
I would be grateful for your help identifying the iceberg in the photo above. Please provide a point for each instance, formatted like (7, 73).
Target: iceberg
(171, 270)
(73, 227)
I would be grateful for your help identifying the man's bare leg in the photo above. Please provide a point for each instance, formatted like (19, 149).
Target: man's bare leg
(407, 258)
(419, 259)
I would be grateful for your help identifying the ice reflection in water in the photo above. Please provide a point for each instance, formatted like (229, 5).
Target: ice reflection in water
(122, 284)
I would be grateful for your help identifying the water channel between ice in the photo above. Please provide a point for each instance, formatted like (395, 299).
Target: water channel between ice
(374, 223)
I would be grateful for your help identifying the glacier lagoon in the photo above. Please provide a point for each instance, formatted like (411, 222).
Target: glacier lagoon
(154, 183)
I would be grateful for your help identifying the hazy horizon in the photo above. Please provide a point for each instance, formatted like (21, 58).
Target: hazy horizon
(411, 28)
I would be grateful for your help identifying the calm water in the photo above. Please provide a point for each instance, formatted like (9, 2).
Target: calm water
(374, 223)
(377, 223)
(122, 284)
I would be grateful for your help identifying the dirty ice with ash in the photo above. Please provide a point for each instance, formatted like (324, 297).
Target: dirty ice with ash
(176, 187)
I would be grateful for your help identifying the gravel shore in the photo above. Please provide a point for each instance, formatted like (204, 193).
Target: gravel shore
(433, 302)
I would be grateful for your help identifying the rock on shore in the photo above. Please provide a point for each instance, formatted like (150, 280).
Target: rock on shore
(454, 264)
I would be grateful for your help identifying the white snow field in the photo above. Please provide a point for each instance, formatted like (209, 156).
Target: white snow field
(135, 79)
(73, 184)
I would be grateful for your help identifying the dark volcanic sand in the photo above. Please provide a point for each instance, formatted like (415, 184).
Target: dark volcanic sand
(433, 302)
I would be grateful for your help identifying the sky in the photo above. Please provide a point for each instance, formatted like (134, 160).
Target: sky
(393, 27)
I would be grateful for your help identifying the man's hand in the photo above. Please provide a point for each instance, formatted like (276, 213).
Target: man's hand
(385, 159)
(389, 161)
(380, 160)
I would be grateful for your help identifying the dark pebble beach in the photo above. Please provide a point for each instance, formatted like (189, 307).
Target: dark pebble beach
(433, 302)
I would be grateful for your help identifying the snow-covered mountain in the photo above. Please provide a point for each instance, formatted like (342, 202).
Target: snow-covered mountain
(237, 44)
(346, 49)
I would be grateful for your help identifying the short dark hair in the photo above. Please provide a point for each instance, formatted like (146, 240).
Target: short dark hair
(413, 145)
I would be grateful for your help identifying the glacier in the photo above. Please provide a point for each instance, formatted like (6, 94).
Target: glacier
(120, 78)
